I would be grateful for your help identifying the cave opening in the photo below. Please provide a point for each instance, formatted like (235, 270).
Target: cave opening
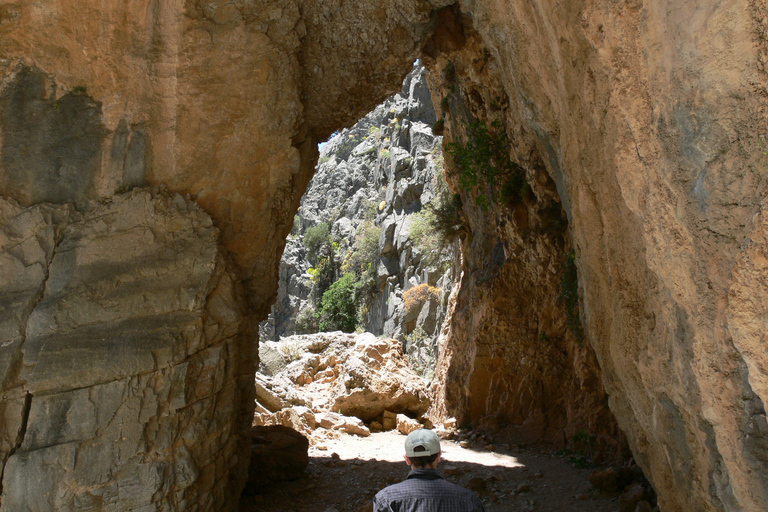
(367, 275)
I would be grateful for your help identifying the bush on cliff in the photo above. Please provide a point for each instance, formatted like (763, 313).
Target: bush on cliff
(483, 163)
(339, 305)
(317, 240)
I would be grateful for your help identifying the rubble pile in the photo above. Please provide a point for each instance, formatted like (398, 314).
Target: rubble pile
(331, 383)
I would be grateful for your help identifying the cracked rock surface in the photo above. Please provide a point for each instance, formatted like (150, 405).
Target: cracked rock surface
(122, 387)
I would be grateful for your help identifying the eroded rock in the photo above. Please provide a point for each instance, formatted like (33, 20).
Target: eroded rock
(346, 380)
(128, 342)
(278, 453)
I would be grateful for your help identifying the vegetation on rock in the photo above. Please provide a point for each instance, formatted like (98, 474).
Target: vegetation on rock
(483, 161)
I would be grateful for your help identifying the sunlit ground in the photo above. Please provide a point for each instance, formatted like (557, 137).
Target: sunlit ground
(389, 446)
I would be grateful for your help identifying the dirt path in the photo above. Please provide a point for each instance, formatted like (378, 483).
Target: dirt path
(506, 479)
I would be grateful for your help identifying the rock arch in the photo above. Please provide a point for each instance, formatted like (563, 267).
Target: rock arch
(642, 119)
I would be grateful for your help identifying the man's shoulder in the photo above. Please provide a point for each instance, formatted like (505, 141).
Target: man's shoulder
(424, 489)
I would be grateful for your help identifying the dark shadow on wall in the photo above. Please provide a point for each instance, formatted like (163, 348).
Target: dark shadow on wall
(51, 147)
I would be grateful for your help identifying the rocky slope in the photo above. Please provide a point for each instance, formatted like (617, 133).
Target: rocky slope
(337, 381)
(643, 120)
(373, 184)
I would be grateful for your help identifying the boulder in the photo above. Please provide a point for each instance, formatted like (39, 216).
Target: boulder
(278, 453)
(406, 425)
(349, 425)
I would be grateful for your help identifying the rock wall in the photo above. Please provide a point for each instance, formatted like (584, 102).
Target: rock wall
(648, 117)
(224, 102)
(379, 175)
(124, 370)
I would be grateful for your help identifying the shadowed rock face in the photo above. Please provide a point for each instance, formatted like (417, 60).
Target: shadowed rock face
(641, 121)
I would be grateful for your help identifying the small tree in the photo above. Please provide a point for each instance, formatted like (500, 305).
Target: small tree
(317, 240)
(338, 307)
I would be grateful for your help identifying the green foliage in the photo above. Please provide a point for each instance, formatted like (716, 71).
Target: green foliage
(323, 160)
(425, 237)
(569, 293)
(79, 89)
(339, 305)
(317, 240)
(583, 442)
(483, 161)
(444, 105)
(346, 146)
(365, 250)
(296, 225)
(306, 321)
(448, 221)
(384, 155)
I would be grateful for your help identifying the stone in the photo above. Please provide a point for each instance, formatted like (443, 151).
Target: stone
(629, 499)
(278, 454)
(350, 425)
(267, 398)
(612, 479)
(406, 425)
(477, 484)
(452, 470)
(389, 421)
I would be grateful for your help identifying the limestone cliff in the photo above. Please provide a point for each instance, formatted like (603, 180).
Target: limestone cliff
(647, 118)
(375, 181)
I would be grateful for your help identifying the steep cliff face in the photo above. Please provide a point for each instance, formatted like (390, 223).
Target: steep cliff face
(373, 188)
(648, 121)
(124, 370)
(646, 116)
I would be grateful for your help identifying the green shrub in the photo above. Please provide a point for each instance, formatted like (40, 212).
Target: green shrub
(317, 240)
(365, 250)
(569, 293)
(448, 220)
(323, 160)
(483, 161)
(338, 307)
(296, 225)
(306, 321)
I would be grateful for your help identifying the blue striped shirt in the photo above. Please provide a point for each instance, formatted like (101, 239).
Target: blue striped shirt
(425, 491)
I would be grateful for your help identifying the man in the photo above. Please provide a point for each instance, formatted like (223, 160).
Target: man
(425, 490)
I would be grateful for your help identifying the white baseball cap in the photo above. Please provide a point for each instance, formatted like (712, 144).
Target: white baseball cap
(422, 443)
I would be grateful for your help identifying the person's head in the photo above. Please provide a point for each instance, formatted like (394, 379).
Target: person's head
(422, 449)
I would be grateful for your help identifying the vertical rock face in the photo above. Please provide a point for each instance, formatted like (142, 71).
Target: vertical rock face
(122, 360)
(648, 121)
(515, 355)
